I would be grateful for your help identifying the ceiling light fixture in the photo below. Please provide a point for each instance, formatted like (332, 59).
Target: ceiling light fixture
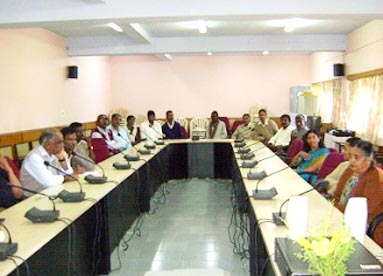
(291, 24)
(265, 53)
(115, 27)
(289, 28)
(202, 27)
(209, 53)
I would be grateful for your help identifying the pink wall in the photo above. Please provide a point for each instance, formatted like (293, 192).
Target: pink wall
(34, 90)
(194, 86)
(322, 65)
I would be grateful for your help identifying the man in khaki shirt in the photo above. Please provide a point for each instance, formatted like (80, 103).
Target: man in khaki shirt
(265, 128)
(246, 130)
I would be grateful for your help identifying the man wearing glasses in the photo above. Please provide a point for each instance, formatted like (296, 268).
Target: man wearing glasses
(37, 176)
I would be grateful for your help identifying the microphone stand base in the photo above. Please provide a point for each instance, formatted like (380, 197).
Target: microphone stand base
(256, 176)
(150, 146)
(159, 142)
(239, 144)
(37, 216)
(121, 166)
(279, 218)
(144, 151)
(249, 164)
(71, 197)
(247, 156)
(131, 158)
(243, 150)
(91, 179)
(265, 194)
(7, 249)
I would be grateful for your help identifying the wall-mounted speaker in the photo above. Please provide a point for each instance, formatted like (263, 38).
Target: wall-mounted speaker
(338, 70)
(72, 72)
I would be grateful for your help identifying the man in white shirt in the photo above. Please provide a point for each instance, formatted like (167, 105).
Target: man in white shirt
(119, 134)
(102, 132)
(216, 128)
(246, 130)
(283, 136)
(37, 176)
(151, 130)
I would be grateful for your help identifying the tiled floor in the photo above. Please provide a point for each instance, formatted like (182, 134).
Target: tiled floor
(188, 231)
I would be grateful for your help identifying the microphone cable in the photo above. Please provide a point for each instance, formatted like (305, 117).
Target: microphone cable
(96, 251)
(16, 265)
(23, 261)
(69, 224)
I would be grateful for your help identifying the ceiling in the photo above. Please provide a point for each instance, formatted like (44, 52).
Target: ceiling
(171, 26)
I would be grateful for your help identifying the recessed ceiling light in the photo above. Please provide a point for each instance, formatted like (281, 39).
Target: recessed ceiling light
(291, 24)
(209, 53)
(202, 27)
(115, 27)
(265, 53)
(289, 28)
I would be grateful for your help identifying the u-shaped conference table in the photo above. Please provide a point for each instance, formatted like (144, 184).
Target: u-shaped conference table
(82, 241)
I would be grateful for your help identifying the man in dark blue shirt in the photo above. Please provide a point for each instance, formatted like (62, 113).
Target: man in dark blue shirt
(171, 128)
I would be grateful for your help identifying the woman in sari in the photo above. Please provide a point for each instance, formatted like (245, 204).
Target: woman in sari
(310, 159)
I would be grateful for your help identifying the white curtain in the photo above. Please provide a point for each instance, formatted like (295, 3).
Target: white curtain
(330, 98)
(365, 108)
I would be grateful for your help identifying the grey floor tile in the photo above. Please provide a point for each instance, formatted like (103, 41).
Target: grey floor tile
(188, 231)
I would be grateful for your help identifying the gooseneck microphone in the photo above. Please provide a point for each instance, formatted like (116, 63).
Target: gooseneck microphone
(161, 142)
(266, 194)
(37, 215)
(92, 179)
(7, 248)
(246, 148)
(122, 137)
(122, 166)
(279, 217)
(64, 195)
(146, 150)
(245, 132)
(250, 154)
(258, 175)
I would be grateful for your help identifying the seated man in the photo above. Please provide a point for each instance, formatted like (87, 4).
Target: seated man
(119, 134)
(151, 129)
(300, 129)
(78, 164)
(101, 132)
(265, 128)
(84, 146)
(171, 129)
(216, 128)
(34, 174)
(246, 130)
(8, 195)
(132, 129)
(281, 139)
(335, 175)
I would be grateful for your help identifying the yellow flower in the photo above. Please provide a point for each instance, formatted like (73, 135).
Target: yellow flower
(322, 248)
(305, 243)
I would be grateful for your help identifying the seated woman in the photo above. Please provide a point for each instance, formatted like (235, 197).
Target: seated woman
(362, 179)
(310, 158)
(8, 195)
